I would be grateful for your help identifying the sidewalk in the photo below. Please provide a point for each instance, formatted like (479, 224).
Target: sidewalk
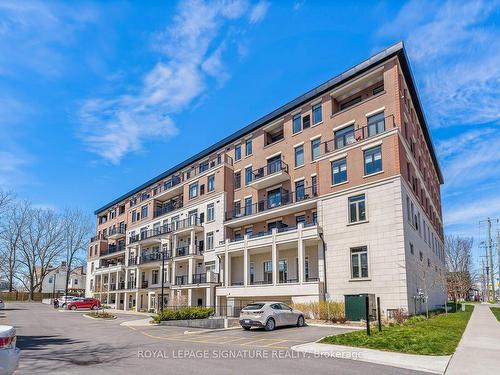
(479, 350)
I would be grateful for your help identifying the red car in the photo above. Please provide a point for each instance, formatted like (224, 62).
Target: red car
(84, 303)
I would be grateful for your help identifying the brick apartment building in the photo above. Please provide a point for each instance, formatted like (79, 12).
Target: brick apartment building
(335, 193)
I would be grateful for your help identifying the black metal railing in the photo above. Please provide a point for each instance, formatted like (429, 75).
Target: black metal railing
(156, 256)
(132, 261)
(181, 280)
(279, 200)
(187, 223)
(261, 282)
(121, 285)
(270, 169)
(131, 284)
(145, 234)
(171, 206)
(114, 248)
(144, 284)
(118, 230)
(357, 134)
(182, 251)
(99, 237)
(199, 278)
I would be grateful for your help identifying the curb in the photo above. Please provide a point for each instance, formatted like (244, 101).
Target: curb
(91, 317)
(210, 330)
(334, 326)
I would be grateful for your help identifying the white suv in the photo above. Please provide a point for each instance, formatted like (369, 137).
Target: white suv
(270, 315)
(9, 354)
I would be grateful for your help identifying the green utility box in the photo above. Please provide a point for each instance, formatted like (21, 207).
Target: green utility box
(355, 306)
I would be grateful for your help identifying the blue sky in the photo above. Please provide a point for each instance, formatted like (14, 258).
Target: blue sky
(97, 97)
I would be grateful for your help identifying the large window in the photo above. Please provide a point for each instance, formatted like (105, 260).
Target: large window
(193, 190)
(359, 262)
(299, 156)
(300, 190)
(339, 171)
(211, 183)
(237, 180)
(248, 175)
(154, 277)
(376, 124)
(268, 271)
(248, 147)
(357, 208)
(144, 211)
(297, 123)
(237, 152)
(210, 240)
(315, 148)
(373, 160)
(248, 206)
(317, 115)
(344, 137)
(210, 212)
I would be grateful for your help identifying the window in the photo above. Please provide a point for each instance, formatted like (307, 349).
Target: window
(378, 89)
(248, 175)
(268, 271)
(373, 160)
(248, 206)
(144, 196)
(193, 190)
(314, 185)
(376, 124)
(315, 217)
(299, 156)
(300, 219)
(317, 114)
(357, 208)
(210, 240)
(359, 262)
(203, 166)
(154, 277)
(211, 183)
(300, 190)
(237, 152)
(412, 250)
(315, 148)
(306, 122)
(50, 280)
(121, 209)
(237, 235)
(297, 124)
(248, 147)
(144, 211)
(249, 231)
(134, 216)
(339, 171)
(210, 212)
(210, 266)
(237, 208)
(344, 137)
(350, 103)
(202, 189)
(237, 180)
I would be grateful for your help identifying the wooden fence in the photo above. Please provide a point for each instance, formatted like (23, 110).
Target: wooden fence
(25, 296)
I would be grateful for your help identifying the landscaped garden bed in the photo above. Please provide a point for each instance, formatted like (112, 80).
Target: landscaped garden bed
(438, 335)
(183, 313)
(100, 315)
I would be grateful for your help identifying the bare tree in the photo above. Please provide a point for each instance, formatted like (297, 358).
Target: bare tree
(6, 197)
(458, 256)
(13, 225)
(40, 247)
(77, 229)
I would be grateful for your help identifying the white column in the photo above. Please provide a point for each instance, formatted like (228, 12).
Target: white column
(245, 262)
(300, 255)
(208, 297)
(192, 245)
(167, 273)
(190, 270)
(172, 281)
(117, 281)
(227, 266)
(137, 307)
(125, 301)
(190, 297)
(321, 262)
(126, 278)
(274, 257)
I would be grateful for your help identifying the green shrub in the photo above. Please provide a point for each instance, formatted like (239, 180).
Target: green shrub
(183, 313)
(323, 310)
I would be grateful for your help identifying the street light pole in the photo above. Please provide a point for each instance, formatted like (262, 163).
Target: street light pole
(162, 278)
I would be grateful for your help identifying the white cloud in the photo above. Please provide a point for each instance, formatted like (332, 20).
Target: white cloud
(259, 11)
(191, 49)
(457, 51)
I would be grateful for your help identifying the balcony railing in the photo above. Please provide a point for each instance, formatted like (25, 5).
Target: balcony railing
(131, 284)
(356, 135)
(120, 230)
(270, 169)
(181, 251)
(279, 200)
(114, 248)
(132, 261)
(181, 280)
(145, 234)
(261, 282)
(199, 278)
(144, 285)
(187, 223)
(99, 237)
(153, 257)
(169, 207)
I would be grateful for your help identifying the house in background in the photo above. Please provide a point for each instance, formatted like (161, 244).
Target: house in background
(55, 281)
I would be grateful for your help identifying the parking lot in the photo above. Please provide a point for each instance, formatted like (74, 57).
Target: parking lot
(67, 343)
(280, 338)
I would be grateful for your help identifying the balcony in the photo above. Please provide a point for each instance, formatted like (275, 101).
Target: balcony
(271, 174)
(282, 203)
(169, 189)
(154, 257)
(171, 206)
(190, 223)
(109, 268)
(99, 237)
(151, 234)
(117, 233)
(352, 134)
(181, 280)
(131, 284)
(113, 248)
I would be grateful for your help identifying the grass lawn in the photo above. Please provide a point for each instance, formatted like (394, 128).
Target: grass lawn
(439, 335)
(496, 312)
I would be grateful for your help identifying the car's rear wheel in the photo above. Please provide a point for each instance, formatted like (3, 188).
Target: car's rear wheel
(246, 328)
(93, 307)
(270, 324)
(300, 321)
(73, 307)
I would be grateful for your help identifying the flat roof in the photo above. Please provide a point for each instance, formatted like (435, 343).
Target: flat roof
(396, 49)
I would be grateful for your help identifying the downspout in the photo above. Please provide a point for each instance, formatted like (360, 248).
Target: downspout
(325, 291)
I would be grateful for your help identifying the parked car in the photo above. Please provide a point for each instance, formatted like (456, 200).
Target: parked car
(84, 303)
(2, 304)
(270, 315)
(63, 301)
(9, 354)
